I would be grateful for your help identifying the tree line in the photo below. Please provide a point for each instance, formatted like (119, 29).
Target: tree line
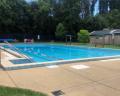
(56, 18)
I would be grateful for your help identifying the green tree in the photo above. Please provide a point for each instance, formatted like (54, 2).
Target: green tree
(114, 4)
(83, 36)
(11, 12)
(60, 31)
(113, 19)
(42, 16)
(103, 6)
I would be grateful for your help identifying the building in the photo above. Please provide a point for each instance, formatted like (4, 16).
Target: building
(105, 37)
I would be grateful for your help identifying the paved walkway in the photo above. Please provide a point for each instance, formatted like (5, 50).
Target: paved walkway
(98, 78)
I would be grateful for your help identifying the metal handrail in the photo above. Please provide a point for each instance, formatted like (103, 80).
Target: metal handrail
(19, 52)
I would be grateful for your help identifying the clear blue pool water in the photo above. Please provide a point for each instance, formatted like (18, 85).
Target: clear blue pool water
(49, 52)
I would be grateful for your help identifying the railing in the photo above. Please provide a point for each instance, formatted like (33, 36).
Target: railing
(18, 51)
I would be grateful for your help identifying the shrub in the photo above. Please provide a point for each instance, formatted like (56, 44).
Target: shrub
(83, 36)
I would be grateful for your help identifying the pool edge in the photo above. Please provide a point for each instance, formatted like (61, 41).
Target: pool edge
(60, 62)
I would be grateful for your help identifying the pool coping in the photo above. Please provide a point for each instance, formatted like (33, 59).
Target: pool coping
(59, 62)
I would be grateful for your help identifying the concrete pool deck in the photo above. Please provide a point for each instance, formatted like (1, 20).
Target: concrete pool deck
(99, 78)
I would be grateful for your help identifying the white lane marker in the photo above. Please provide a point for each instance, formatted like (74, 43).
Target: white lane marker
(52, 66)
(80, 67)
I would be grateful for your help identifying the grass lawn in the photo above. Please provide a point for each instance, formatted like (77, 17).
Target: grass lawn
(7, 91)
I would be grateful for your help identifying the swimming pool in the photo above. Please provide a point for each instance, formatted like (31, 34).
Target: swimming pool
(52, 52)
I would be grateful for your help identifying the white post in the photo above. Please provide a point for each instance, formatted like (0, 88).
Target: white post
(38, 37)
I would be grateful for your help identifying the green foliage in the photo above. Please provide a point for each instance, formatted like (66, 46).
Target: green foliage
(60, 31)
(113, 18)
(42, 16)
(7, 91)
(103, 8)
(83, 36)
(44, 5)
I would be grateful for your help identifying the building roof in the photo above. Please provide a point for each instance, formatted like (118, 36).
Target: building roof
(105, 32)
(117, 31)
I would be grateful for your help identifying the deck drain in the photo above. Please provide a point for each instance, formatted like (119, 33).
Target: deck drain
(58, 93)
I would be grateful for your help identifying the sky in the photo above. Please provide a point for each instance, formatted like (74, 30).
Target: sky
(96, 7)
(28, 0)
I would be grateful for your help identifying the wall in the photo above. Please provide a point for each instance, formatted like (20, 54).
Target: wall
(117, 39)
(96, 40)
(105, 40)
(101, 40)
